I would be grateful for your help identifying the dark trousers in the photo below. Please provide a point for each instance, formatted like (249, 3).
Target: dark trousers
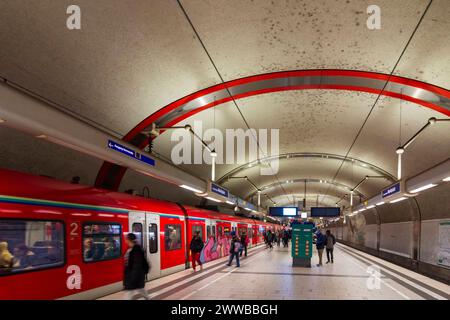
(329, 252)
(232, 255)
(244, 250)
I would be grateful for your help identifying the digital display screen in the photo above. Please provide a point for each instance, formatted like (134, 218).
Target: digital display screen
(325, 212)
(283, 211)
(290, 212)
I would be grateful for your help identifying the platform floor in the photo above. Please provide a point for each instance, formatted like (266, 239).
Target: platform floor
(268, 275)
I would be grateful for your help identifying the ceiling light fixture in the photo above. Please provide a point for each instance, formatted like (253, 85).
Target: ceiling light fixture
(229, 202)
(446, 179)
(398, 200)
(212, 199)
(370, 207)
(190, 188)
(425, 187)
(379, 203)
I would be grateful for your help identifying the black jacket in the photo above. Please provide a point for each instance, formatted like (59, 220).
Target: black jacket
(196, 244)
(135, 269)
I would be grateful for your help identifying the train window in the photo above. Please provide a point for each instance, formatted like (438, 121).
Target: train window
(172, 237)
(136, 228)
(219, 231)
(242, 230)
(153, 237)
(208, 231)
(101, 241)
(250, 232)
(196, 229)
(30, 245)
(214, 232)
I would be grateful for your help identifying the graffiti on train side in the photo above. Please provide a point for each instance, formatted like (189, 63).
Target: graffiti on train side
(215, 249)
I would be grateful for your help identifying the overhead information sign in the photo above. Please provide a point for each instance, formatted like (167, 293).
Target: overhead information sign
(130, 152)
(325, 212)
(283, 211)
(219, 190)
(391, 190)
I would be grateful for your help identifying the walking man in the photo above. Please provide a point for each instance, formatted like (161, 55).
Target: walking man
(136, 267)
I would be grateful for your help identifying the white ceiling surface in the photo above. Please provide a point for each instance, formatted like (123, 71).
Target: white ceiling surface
(311, 200)
(132, 58)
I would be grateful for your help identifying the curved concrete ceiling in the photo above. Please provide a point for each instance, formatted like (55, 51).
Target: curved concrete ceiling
(312, 67)
(295, 156)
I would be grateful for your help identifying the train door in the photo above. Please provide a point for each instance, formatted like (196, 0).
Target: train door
(210, 230)
(250, 235)
(145, 227)
(136, 224)
(193, 227)
(255, 234)
(153, 246)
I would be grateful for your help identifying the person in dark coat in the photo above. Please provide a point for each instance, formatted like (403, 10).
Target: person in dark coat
(330, 241)
(136, 268)
(270, 239)
(244, 243)
(196, 247)
(234, 249)
(320, 245)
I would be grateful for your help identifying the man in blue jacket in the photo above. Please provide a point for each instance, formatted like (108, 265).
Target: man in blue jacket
(320, 245)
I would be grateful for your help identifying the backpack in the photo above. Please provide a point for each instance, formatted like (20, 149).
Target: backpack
(237, 246)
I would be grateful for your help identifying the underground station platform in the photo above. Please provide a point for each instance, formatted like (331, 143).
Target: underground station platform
(224, 158)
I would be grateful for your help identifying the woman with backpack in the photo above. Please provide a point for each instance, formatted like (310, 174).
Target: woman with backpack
(234, 249)
(196, 247)
(136, 267)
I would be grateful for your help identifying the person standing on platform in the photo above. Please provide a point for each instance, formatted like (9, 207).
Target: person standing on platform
(285, 238)
(196, 247)
(330, 240)
(320, 245)
(279, 236)
(234, 249)
(244, 243)
(136, 267)
(270, 239)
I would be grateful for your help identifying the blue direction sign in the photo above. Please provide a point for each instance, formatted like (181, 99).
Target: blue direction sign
(130, 152)
(391, 190)
(219, 190)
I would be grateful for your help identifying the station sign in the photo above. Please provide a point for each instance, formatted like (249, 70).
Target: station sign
(130, 152)
(219, 190)
(393, 189)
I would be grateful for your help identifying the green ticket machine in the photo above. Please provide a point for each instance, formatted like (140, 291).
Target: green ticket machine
(302, 235)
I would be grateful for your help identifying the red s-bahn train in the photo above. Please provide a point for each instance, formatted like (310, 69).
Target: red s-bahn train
(66, 241)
